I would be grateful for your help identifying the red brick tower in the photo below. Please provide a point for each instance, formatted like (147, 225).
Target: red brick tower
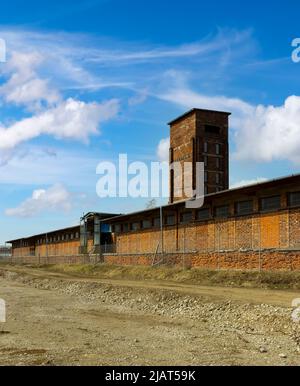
(200, 136)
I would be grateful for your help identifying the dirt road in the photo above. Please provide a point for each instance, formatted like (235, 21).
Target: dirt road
(55, 319)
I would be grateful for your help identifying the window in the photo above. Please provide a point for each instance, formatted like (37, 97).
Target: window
(186, 217)
(218, 163)
(77, 235)
(135, 226)
(203, 214)
(72, 236)
(205, 176)
(218, 178)
(218, 149)
(170, 220)
(270, 203)
(125, 228)
(212, 129)
(146, 224)
(118, 228)
(294, 199)
(206, 161)
(222, 211)
(205, 147)
(156, 222)
(244, 207)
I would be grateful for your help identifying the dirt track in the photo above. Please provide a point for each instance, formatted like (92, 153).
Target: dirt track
(55, 319)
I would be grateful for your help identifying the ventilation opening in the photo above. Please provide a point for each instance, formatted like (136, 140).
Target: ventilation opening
(210, 129)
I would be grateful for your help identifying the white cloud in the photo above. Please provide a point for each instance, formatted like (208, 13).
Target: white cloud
(24, 86)
(260, 133)
(71, 119)
(242, 183)
(163, 150)
(56, 198)
(271, 133)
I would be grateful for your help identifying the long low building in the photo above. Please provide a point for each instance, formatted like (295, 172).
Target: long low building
(252, 227)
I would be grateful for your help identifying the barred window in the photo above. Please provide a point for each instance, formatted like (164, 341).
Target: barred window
(270, 203)
(146, 224)
(294, 199)
(186, 217)
(170, 220)
(222, 211)
(135, 226)
(244, 207)
(156, 222)
(118, 228)
(203, 214)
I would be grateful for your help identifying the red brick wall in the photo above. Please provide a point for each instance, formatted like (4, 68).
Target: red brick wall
(279, 230)
(267, 260)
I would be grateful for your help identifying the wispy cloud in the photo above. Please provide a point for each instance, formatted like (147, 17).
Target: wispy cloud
(71, 119)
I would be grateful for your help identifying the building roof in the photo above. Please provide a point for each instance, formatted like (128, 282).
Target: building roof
(103, 216)
(294, 178)
(194, 111)
(244, 189)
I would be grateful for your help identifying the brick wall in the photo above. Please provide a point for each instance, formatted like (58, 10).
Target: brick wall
(280, 230)
(264, 260)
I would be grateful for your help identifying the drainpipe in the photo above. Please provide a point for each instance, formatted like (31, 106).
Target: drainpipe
(161, 230)
(47, 247)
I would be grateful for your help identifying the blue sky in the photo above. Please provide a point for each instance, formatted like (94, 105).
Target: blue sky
(87, 80)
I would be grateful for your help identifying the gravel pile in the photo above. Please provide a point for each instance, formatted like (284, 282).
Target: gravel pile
(268, 327)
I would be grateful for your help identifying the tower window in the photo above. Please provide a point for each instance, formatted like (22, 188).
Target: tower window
(217, 178)
(218, 163)
(205, 147)
(218, 149)
(210, 129)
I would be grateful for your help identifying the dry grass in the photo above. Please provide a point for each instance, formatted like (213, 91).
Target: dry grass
(249, 279)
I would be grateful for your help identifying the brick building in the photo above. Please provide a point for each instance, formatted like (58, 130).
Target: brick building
(253, 227)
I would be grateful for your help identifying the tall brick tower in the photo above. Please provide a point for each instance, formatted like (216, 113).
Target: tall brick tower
(200, 136)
